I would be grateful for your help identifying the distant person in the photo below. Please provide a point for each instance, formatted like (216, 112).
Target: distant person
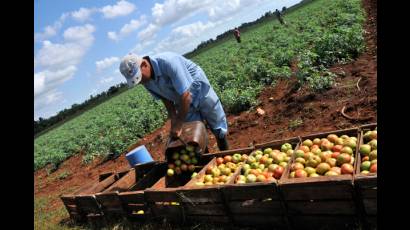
(280, 17)
(183, 88)
(237, 35)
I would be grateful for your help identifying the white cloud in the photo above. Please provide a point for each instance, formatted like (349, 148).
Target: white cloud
(139, 48)
(113, 35)
(82, 14)
(60, 55)
(183, 38)
(106, 62)
(53, 97)
(173, 10)
(148, 33)
(127, 28)
(59, 61)
(46, 81)
(122, 8)
(226, 7)
(82, 34)
(193, 29)
(50, 31)
(107, 80)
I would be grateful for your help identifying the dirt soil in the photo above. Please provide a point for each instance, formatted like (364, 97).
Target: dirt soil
(289, 112)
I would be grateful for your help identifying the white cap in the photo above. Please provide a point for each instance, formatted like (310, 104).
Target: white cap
(130, 68)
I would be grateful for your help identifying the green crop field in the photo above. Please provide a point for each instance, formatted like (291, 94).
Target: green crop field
(316, 36)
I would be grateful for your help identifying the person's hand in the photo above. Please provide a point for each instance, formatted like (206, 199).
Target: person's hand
(176, 129)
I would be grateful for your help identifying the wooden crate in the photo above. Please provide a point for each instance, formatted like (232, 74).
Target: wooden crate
(82, 202)
(163, 202)
(138, 178)
(320, 202)
(260, 203)
(162, 197)
(205, 203)
(366, 187)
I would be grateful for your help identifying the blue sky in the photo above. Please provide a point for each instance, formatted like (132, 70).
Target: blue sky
(78, 44)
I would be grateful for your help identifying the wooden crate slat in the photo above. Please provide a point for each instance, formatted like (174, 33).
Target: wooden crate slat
(152, 177)
(98, 187)
(136, 207)
(323, 221)
(88, 204)
(159, 193)
(204, 209)
(207, 219)
(370, 206)
(104, 175)
(124, 183)
(259, 220)
(363, 181)
(251, 191)
(267, 207)
(342, 207)
(133, 197)
(369, 193)
(110, 203)
(201, 195)
(371, 220)
(170, 212)
(276, 144)
(317, 191)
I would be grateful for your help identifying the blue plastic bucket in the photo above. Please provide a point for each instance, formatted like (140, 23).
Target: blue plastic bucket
(138, 155)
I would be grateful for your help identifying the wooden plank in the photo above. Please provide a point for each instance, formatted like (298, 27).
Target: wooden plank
(97, 187)
(342, 207)
(315, 222)
(370, 206)
(251, 191)
(136, 207)
(104, 175)
(110, 203)
(155, 174)
(159, 193)
(169, 212)
(207, 219)
(204, 209)
(88, 204)
(164, 195)
(370, 126)
(369, 193)
(137, 218)
(317, 191)
(276, 144)
(201, 195)
(371, 221)
(263, 207)
(259, 220)
(134, 197)
(363, 181)
(124, 183)
(68, 199)
(122, 172)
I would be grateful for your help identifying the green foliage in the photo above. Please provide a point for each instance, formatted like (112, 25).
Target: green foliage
(108, 129)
